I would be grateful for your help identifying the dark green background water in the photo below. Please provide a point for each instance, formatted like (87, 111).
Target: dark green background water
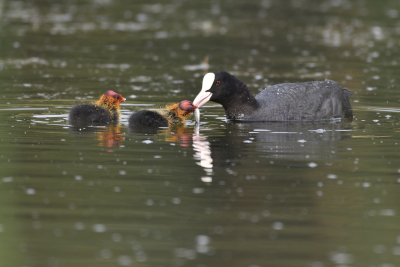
(222, 194)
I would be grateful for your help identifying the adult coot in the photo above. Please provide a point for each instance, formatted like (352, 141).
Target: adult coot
(308, 101)
(173, 114)
(105, 110)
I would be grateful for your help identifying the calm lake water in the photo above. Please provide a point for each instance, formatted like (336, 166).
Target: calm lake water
(216, 193)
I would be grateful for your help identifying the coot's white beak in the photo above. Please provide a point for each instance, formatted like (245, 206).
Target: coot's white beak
(203, 97)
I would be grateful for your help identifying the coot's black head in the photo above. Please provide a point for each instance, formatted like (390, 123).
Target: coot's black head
(220, 87)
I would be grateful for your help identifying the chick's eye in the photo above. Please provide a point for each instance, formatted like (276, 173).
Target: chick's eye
(218, 83)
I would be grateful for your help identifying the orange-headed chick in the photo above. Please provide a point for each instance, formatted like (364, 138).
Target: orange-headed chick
(172, 115)
(105, 110)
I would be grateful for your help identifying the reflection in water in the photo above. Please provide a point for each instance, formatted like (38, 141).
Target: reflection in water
(111, 137)
(178, 134)
(271, 140)
(185, 136)
(294, 140)
(203, 154)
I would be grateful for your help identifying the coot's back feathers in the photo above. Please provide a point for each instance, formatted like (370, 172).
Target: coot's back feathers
(317, 100)
(308, 101)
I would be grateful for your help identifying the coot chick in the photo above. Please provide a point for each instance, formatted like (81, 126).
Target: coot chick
(307, 101)
(105, 110)
(174, 114)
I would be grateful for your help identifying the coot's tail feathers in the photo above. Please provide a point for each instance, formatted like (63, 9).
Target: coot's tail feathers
(147, 118)
(348, 110)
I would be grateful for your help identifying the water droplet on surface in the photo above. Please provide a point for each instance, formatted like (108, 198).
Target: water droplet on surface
(99, 228)
(176, 200)
(341, 258)
(116, 237)
(254, 218)
(203, 239)
(58, 232)
(79, 226)
(387, 212)
(106, 253)
(396, 250)
(379, 248)
(266, 213)
(312, 164)
(277, 225)
(7, 179)
(30, 191)
(141, 256)
(366, 184)
(197, 190)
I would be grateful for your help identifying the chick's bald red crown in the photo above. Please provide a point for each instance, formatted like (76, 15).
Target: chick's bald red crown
(115, 95)
(187, 105)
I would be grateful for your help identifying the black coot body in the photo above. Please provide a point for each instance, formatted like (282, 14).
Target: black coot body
(87, 113)
(308, 101)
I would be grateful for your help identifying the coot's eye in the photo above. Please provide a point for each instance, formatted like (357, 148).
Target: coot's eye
(217, 82)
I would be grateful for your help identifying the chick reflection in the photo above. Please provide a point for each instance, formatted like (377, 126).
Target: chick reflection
(110, 137)
(184, 137)
(180, 135)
